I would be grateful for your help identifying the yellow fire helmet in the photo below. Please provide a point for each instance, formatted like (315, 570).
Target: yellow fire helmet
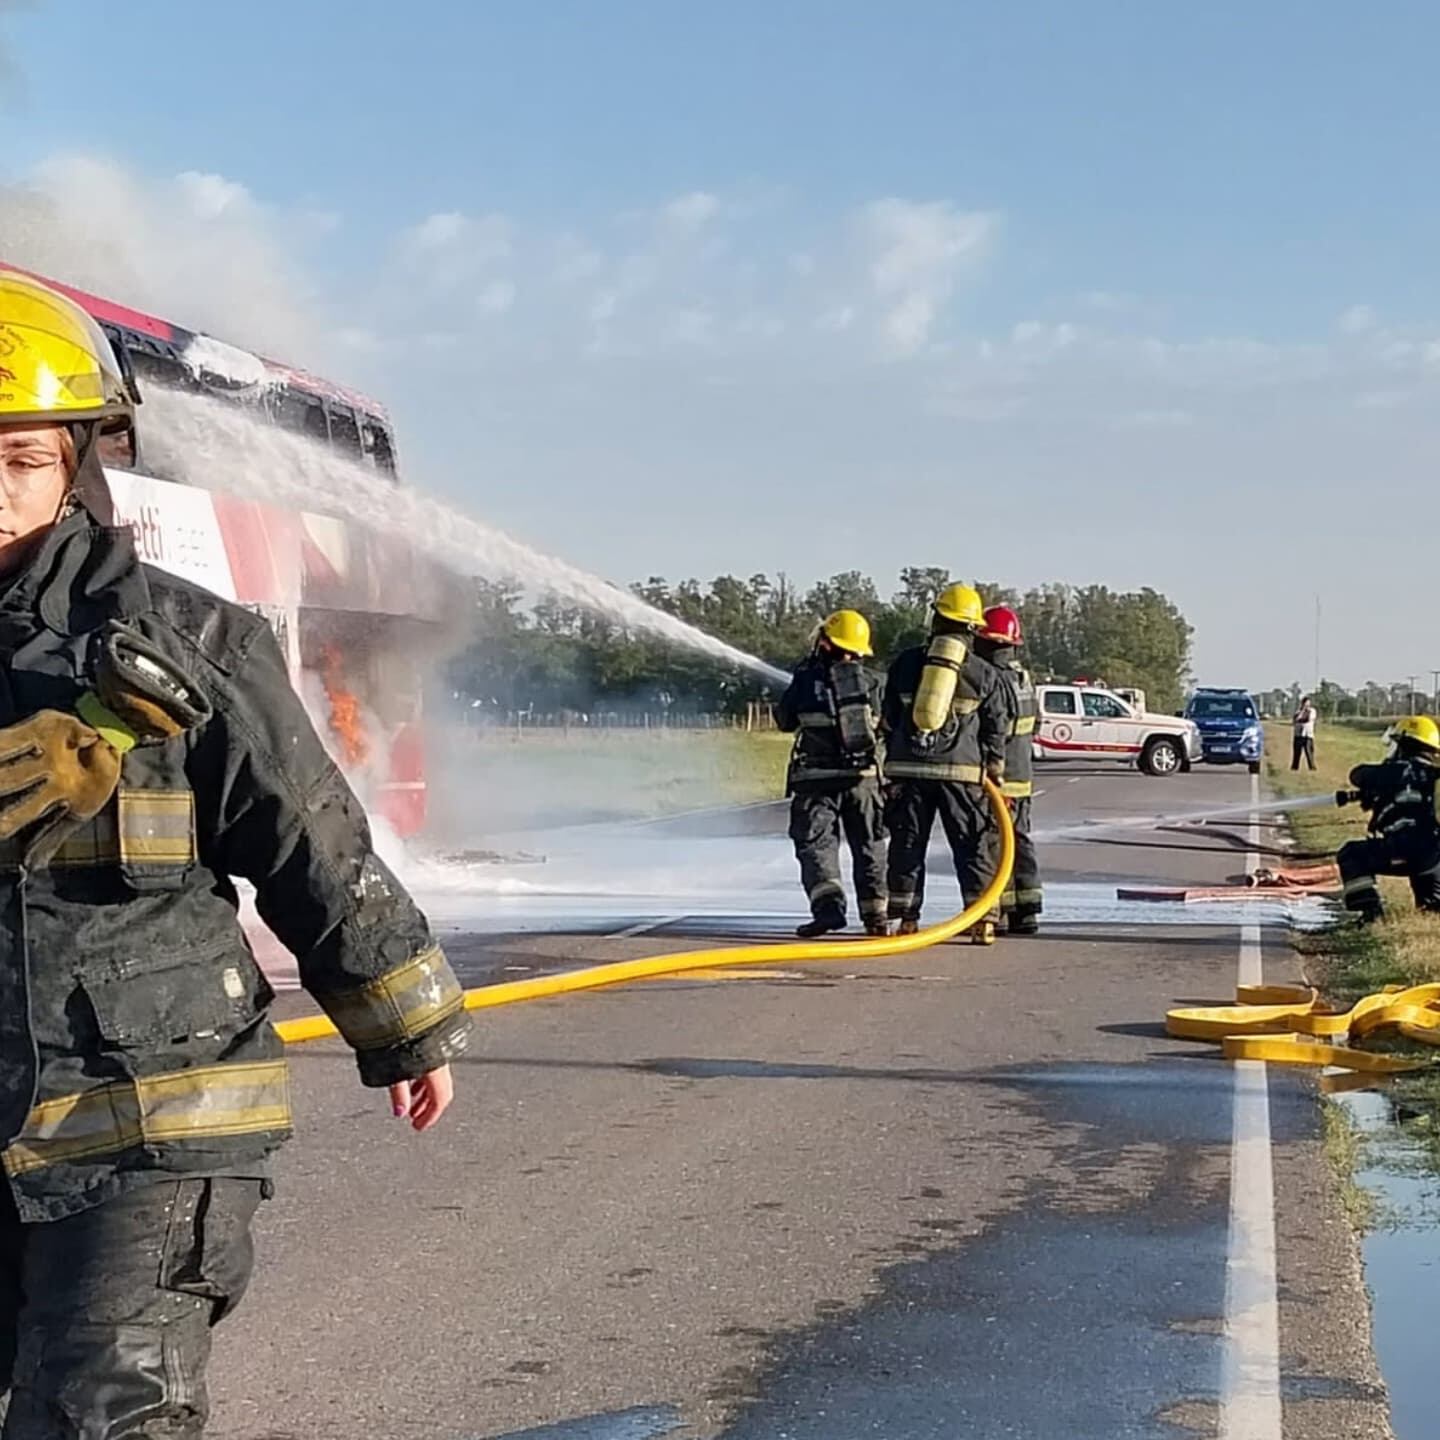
(1420, 730)
(962, 604)
(55, 362)
(848, 630)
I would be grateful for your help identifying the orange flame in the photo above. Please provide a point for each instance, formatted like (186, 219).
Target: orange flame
(345, 718)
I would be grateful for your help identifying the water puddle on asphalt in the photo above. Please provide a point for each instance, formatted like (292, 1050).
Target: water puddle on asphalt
(638, 1424)
(1402, 1254)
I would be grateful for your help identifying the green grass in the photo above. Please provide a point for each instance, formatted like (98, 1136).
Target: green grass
(1345, 1149)
(1350, 961)
(488, 781)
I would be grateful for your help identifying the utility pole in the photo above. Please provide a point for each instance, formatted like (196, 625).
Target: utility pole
(1317, 645)
(1413, 679)
(1435, 692)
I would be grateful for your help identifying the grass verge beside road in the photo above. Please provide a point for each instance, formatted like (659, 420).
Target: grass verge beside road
(1350, 960)
(489, 781)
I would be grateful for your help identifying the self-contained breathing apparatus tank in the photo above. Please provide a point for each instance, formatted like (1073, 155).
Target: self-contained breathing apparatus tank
(935, 694)
(854, 718)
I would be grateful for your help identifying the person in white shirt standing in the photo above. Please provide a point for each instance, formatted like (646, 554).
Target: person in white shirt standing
(1303, 726)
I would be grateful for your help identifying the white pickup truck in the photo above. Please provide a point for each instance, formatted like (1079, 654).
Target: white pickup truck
(1091, 723)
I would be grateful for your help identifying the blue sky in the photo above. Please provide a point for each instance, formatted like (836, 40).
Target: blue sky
(1137, 293)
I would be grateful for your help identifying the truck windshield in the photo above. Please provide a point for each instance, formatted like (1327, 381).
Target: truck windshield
(1221, 707)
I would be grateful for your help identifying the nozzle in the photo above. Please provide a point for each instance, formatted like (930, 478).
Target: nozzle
(1347, 797)
(145, 687)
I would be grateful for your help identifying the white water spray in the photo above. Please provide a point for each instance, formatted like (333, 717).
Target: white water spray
(220, 446)
(1089, 829)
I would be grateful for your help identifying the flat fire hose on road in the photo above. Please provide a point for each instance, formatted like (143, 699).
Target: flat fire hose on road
(1291, 1025)
(545, 987)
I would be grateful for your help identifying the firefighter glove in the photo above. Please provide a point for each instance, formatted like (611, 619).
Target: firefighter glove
(55, 771)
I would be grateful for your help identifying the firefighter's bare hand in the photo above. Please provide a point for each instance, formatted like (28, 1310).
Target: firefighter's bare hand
(422, 1102)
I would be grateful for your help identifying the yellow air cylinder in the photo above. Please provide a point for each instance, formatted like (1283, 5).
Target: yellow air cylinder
(935, 694)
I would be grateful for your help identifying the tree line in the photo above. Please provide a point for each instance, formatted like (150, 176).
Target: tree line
(546, 655)
(1403, 697)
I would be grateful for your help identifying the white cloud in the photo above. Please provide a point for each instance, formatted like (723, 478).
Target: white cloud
(448, 238)
(918, 252)
(211, 196)
(692, 325)
(435, 232)
(1154, 419)
(496, 298)
(196, 248)
(1382, 399)
(691, 212)
(1357, 320)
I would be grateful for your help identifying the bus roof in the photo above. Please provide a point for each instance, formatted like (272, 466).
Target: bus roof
(107, 312)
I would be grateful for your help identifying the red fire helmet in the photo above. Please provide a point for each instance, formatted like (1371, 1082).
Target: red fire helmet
(1002, 625)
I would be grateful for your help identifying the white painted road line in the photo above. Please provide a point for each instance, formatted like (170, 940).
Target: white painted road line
(1250, 1406)
(645, 927)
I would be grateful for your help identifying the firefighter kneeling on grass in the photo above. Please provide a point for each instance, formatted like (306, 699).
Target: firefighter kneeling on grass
(946, 718)
(1400, 795)
(151, 747)
(997, 642)
(833, 702)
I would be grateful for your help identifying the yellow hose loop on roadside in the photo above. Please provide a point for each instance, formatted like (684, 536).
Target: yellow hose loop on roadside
(545, 987)
(1215, 1022)
(1294, 1050)
(1293, 1026)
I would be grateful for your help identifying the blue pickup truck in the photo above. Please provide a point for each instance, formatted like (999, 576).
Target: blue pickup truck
(1229, 725)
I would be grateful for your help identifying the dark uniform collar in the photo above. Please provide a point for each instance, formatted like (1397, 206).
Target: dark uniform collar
(82, 575)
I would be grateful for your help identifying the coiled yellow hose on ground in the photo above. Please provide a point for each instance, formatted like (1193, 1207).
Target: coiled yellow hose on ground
(545, 987)
(1291, 1025)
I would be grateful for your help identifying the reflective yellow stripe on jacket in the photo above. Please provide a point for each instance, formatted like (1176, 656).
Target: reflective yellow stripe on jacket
(204, 1103)
(920, 770)
(397, 1006)
(142, 827)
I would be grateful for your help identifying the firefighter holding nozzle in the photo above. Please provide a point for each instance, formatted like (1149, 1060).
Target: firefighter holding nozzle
(832, 706)
(1404, 836)
(151, 750)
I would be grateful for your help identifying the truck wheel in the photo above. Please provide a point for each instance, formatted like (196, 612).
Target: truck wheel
(1254, 767)
(1161, 757)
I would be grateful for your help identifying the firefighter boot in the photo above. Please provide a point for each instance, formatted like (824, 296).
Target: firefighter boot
(908, 927)
(983, 933)
(877, 928)
(825, 923)
(1019, 924)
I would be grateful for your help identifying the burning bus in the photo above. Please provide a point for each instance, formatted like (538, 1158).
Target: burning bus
(355, 610)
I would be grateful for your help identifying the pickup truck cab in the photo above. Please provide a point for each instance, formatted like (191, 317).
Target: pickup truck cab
(1230, 729)
(1089, 722)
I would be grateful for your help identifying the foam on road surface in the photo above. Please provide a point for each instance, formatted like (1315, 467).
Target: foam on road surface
(969, 1193)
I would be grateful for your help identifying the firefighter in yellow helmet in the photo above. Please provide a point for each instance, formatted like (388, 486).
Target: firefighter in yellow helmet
(1404, 839)
(833, 708)
(152, 748)
(946, 717)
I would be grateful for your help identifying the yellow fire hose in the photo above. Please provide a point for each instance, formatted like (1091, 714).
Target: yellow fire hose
(545, 987)
(1291, 1025)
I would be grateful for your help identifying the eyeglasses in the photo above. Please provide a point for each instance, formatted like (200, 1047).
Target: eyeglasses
(23, 472)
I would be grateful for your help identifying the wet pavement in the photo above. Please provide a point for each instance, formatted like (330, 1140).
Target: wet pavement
(969, 1193)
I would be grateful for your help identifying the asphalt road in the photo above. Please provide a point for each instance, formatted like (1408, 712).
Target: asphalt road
(972, 1193)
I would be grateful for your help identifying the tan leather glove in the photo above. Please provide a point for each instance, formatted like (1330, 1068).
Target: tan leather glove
(55, 771)
(58, 771)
